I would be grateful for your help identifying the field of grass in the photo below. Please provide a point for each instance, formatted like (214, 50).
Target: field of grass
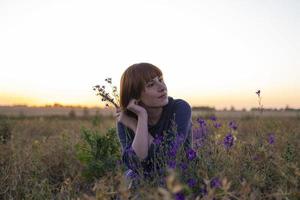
(39, 160)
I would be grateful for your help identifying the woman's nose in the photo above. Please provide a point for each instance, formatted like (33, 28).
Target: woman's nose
(162, 87)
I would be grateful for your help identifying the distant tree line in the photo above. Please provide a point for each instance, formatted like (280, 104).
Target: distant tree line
(277, 109)
(212, 109)
(203, 108)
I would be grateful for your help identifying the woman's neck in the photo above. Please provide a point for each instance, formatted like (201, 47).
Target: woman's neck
(154, 114)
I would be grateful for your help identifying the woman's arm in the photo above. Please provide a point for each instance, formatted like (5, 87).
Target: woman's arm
(129, 156)
(140, 142)
(142, 138)
(132, 124)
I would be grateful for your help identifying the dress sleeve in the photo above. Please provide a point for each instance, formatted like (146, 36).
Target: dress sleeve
(129, 157)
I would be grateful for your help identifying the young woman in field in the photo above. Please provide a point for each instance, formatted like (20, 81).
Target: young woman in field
(144, 123)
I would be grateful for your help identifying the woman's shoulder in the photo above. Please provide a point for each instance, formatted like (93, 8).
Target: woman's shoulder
(181, 104)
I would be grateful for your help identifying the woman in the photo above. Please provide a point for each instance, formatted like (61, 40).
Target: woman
(145, 123)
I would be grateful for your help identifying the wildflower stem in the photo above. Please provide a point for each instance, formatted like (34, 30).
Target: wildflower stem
(105, 95)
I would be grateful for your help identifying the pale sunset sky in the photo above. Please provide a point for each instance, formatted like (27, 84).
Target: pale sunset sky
(212, 53)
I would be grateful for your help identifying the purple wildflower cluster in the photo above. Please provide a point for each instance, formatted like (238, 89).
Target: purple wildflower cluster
(183, 166)
(271, 138)
(215, 183)
(213, 118)
(179, 196)
(172, 152)
(216, 124)
(172, 164)
(175, 145)
(158, 139)
(233, 125)
(191, 182)
(191, 154)
(200, 134)
(228, 140)
(201, 122)
(256, 157)
(131, 174)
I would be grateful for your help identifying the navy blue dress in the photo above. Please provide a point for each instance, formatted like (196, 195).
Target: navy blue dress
(177, 113)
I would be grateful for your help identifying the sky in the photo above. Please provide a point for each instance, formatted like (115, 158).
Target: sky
(211, 53)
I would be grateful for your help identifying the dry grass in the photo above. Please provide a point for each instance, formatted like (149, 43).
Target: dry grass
(39, 162)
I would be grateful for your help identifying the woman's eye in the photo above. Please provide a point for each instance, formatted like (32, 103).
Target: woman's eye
(150, 85)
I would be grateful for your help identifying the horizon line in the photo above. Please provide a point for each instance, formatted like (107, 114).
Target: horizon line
(231, 107)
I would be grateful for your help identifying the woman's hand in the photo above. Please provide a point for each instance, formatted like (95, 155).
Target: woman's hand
(133, 106)
(131, 122)
(122, 117)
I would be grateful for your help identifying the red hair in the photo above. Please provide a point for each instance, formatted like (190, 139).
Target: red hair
(133, 82)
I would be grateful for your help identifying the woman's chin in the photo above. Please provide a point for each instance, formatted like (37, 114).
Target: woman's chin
(166, 101)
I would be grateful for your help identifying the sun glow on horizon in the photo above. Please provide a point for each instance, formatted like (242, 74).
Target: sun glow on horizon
(211, 53)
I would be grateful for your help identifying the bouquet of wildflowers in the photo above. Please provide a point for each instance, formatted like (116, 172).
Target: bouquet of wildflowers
(106, 96)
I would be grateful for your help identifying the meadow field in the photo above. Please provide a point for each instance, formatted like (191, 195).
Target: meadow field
(239, 156)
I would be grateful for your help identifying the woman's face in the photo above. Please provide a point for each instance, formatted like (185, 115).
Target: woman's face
(155, 93)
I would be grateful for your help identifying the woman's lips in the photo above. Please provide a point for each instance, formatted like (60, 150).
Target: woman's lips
(162, 96)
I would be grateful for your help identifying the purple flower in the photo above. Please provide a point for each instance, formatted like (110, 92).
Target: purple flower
(215, 183)
(228, 140)
(199, 133)
(199, 136)
(256, 157)
(201, 122)
(191, 154)
(183, 166)
(213, 118)
(158, 139)
(191, 182)
(233, 125)
(175, 146)
(131, 174)
(179, 196)
(271, 139)
(217, 125)
(172, 164)
(172, 152)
